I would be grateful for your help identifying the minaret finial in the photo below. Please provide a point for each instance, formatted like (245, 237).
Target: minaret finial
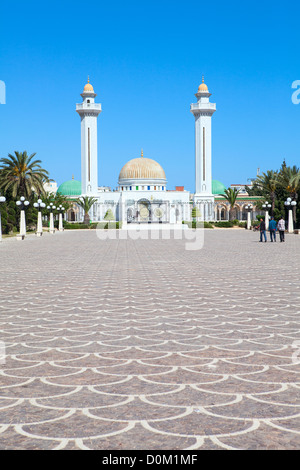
(72, 177)
(142, 153)
(202, 78)
(88, 79)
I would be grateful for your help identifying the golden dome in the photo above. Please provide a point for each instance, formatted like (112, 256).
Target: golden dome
(88, 86)
(202, 87)
(142, 168)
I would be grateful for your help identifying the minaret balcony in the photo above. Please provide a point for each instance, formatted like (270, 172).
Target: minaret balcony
(88, 107)
(200, 108)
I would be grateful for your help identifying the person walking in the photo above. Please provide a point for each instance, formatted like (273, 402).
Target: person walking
(281, 228)
(262, 228)
(272, 228)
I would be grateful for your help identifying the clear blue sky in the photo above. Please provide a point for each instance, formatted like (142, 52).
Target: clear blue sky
(145, 60)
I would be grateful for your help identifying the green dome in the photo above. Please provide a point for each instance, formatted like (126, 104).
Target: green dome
(218, 187)
(70, 188)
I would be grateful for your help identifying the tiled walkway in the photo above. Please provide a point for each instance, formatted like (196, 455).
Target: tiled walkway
(143, 345)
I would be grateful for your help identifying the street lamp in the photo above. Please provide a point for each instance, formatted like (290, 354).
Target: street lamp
(22, 204)
(249, 208)
(61, 210)
(2, 199)
(51, 208)
(266, 206)
(289, 204)
(39, 205)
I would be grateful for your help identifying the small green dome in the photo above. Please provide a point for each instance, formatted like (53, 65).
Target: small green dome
(70, 188)
(218, 187)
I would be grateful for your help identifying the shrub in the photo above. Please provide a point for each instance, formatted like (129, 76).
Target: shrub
(224, 224)
(198, 224)
(109, 215)
(76, 226)
(95, 225)
(8, 228)
(235, 222)
(109, 225)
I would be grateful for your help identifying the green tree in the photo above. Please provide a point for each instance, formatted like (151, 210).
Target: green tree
(22, 174)
(289, 180)
(57, 200)
(231, 195)
(10, 213)
(254, 190)
(109, 215)
(86, 203)
(268, 183)
(195, 213)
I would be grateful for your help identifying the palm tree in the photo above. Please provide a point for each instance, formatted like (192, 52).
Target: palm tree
(22, 174)
(289, 180)
(231, 195)
(268, 183)
(86, 203)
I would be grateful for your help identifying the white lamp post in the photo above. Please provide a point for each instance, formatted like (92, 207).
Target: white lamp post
(266, 206)
(61, 209)
(249, 208)
(39, 205)
(2, 199)
(289, 204)
(51, 208)
(22, 204)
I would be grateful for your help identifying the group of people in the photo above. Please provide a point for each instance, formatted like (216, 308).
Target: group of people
(273, 227)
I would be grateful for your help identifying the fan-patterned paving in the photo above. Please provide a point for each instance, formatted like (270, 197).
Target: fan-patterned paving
(141, 344)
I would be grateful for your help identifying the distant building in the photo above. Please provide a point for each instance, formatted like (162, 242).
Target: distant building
(242, 187)
(222, 207)
(50, 187)
(142, 195)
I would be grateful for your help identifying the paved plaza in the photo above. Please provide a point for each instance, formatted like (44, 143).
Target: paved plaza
(141, 344)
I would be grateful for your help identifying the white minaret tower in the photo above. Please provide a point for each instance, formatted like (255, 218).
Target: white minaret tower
(203, 111)
(88, 111)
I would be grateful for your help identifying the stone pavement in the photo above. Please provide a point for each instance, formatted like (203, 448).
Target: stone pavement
(140, 344)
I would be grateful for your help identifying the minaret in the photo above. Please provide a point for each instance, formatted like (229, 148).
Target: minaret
(203, 111)
(88, 111)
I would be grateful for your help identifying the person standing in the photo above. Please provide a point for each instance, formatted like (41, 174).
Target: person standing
(262, 228)
(272, 228)
(281, 229)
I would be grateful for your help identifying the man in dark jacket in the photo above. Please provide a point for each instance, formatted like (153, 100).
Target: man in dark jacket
(272, 228)
(262, 229)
